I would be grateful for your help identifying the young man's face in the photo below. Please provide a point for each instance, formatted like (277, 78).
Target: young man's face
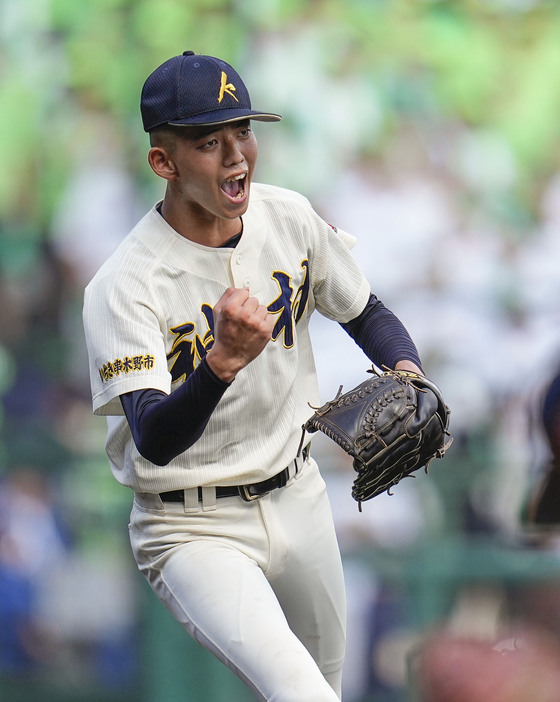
(214, 168)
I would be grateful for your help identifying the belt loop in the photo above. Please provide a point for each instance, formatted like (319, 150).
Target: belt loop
(191, 501)
(208, 499)
(303, 459)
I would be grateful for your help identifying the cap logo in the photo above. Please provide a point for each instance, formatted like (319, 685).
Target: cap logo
(226, 87)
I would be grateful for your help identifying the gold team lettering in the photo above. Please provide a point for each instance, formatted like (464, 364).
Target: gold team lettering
(226, 87)
(191, 345)
(128, 364)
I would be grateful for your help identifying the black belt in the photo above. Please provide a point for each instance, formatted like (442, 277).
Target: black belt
(246, 492)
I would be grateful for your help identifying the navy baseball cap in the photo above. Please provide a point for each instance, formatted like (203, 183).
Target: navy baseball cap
(192, 89)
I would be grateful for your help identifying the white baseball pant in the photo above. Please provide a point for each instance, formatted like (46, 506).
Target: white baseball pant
(259, 584)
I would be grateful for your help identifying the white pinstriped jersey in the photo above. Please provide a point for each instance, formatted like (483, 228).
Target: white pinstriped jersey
(148, 322)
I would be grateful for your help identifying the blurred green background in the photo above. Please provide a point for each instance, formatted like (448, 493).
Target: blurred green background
(430, 130)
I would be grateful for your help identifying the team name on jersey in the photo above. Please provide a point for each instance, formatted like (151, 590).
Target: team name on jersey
(190, 344)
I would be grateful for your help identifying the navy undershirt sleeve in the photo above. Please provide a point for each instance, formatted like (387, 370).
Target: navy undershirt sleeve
(163, 426)
(382, 336)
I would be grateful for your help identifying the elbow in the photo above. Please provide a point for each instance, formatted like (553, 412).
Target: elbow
(163, 450)
(160, 446)
(154, 453)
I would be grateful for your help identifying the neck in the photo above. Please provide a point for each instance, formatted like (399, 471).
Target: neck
(202, 228)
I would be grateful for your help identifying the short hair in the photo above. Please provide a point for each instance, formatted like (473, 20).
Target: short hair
(165, 136)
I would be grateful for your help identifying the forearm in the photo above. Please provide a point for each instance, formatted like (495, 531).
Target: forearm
(163, 426)
(383, 337)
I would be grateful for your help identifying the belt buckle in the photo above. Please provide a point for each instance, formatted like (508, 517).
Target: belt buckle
(246, 495)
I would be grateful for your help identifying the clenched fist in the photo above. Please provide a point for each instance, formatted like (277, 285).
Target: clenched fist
(242, 328)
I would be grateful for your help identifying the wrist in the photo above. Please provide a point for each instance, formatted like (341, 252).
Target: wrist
(409, 366)
(222, 367)
(206, 368)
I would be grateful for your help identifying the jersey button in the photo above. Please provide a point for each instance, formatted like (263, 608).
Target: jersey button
(246, 283)
(238, 259)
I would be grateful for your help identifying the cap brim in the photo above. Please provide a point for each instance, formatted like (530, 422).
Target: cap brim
(225, 116)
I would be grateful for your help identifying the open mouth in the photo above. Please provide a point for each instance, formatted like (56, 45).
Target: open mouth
(234, 187)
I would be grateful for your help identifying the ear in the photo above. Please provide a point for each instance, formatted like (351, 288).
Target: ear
(161, 163)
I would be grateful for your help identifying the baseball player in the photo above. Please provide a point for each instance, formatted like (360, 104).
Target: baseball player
(197, 329)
